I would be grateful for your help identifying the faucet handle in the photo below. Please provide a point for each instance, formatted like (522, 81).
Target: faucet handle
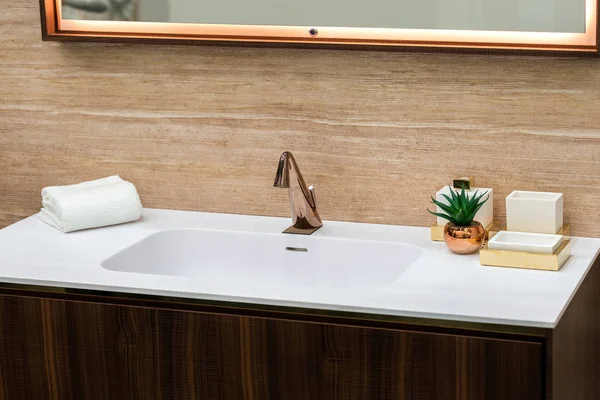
(313, 195)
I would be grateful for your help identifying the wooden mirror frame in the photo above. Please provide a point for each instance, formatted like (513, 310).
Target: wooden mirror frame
(394, 39)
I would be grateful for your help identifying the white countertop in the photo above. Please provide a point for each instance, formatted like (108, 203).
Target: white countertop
(440, 285)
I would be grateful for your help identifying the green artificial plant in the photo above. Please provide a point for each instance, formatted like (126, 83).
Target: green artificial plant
(460, 209)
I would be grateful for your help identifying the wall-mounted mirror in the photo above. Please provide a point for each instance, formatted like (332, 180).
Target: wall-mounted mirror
(546, 25)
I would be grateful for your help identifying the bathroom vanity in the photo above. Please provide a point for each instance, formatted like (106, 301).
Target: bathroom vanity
(184, 305)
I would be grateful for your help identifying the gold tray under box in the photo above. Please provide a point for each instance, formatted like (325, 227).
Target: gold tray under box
(520, 259)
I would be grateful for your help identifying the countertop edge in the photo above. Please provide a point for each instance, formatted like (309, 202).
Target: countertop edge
(299, 309)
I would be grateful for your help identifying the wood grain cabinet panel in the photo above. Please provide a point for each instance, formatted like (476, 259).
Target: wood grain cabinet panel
(59, 349)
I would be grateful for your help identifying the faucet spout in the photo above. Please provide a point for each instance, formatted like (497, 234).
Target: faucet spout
(303, 204)
(282, 178)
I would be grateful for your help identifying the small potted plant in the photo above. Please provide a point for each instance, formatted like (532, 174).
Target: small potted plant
(462, 234)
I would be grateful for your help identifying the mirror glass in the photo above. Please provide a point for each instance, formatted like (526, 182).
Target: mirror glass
(567, 16)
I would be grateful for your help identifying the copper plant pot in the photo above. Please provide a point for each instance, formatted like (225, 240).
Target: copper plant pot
(464, 239)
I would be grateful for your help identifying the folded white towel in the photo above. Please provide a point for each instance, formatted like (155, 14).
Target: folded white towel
(92, 204)
(54, 191)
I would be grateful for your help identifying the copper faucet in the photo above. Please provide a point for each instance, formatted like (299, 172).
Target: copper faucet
(303, 203)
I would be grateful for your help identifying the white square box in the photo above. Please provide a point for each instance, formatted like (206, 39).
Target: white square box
(485, 215)
(536, 212)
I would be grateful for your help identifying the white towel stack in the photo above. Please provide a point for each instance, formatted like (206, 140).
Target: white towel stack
(92, 204)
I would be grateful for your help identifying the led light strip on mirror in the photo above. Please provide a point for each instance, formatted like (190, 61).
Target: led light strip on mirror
(55, 28)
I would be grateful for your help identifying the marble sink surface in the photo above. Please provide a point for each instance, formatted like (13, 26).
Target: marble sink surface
(363, 268)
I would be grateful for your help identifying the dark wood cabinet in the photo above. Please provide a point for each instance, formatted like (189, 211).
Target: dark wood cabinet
(63, 349)
(61, 346)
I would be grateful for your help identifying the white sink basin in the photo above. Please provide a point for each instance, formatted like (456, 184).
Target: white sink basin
(264, 258)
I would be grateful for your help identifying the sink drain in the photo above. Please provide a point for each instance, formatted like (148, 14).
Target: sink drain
(297, 249)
